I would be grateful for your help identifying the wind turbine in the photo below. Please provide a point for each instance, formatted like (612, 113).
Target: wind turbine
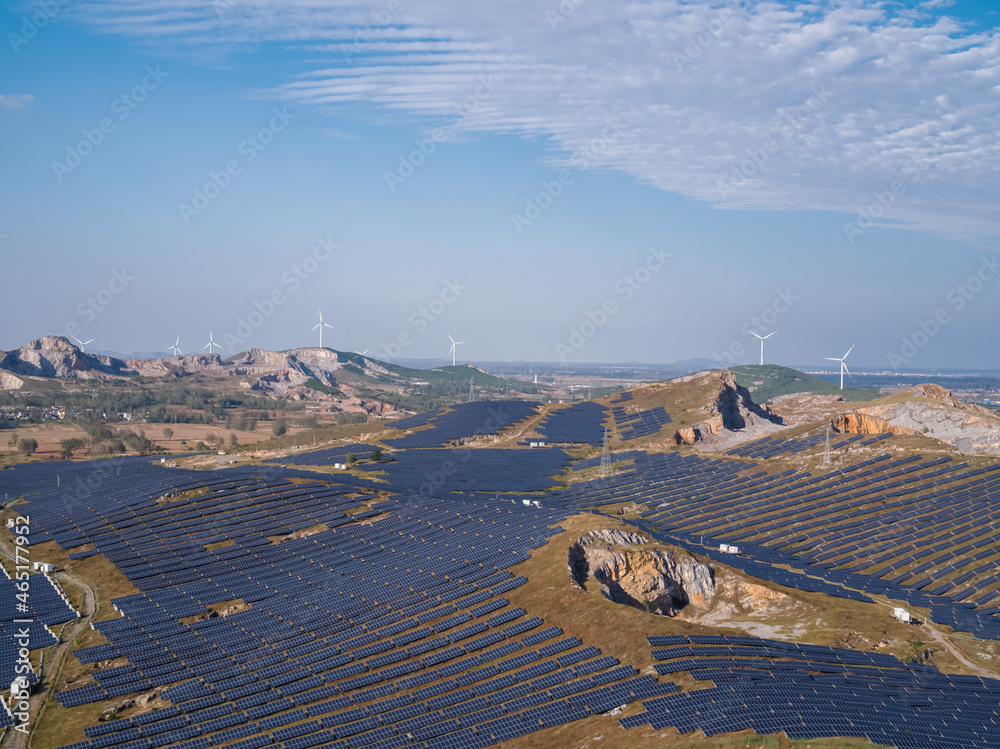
(762, 339)
(83, 344)
(362, 353)
(843, 365)
(321, 325)
(454, 345)
(210, 344)
(175, 349)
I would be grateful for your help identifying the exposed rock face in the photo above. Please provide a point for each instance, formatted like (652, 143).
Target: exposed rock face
(55, 356)
(934, 411)
(731, 409)
(736, 406)
(651, 579)
(10, 382)
(860, 423)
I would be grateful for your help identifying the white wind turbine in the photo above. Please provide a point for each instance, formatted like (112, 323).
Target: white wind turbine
(762, 339)
(843, 365)
(83, 344)
(321, 325)
(362, 353)
(175, 348)
(454, 345)
(210, 344)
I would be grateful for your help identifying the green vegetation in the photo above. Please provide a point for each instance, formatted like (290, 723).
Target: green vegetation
(775, 381)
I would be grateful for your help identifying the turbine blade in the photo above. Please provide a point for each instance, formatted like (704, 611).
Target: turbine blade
(849, 351)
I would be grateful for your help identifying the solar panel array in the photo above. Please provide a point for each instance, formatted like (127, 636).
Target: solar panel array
(581, 423)
(479, 418)
(364, 613)
(438, 472)
(394, 632)
(328, 456)
(639, 423)
(770, 447)
(808, 692)
(910, 528)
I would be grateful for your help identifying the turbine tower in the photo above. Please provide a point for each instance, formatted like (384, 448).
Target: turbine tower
(321, 325)
(211, 343)
(762, 339)
(454, 345)
(175, 348)
(82, 344)
(843, 365)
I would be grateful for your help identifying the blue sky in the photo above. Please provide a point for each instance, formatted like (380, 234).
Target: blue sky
(592, 181)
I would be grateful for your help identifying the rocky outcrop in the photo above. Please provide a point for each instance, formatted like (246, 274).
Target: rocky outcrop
(736, 407)
(55, 356)
(935, 412)
(653, 579)
(10, 382)
(731, 409)
(860, 423)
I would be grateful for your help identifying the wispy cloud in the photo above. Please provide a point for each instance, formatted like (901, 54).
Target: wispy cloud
(15, 101)
(698, 88)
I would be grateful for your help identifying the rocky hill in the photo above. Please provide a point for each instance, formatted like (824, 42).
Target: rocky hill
(55, 356)
(933, 411)
(730, 410)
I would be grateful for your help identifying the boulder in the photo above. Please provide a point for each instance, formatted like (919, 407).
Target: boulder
(859, 423)
(655, 580)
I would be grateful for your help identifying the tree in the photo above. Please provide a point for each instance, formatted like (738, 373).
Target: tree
(69, 445)
(280, 428)
(27, 446)
(168, 433)
(376, 456)
(233, 439)
(351, 459)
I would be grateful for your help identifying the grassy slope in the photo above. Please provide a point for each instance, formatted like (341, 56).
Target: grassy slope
(784, 381)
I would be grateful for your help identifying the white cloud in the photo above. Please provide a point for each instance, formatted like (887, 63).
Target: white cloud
(15, 101)
(696, 90)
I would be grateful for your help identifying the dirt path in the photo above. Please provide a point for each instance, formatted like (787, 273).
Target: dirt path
(54, 657)
(943, 640)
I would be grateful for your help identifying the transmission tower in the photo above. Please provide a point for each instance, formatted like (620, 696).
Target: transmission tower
(606, 456)
(472, 389)
(826, 451)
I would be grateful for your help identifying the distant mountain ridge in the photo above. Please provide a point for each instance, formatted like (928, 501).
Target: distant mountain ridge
(274, 372)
